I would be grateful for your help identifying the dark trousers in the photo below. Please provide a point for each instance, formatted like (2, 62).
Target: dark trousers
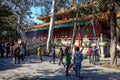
(16, 58)
(2, 53)
(22, 57)
(61, 61)
(53, 59)
(7, 53)
(96, 57)
(40, 58)
(67, 69)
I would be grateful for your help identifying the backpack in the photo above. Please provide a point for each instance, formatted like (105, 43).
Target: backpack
(89, 51)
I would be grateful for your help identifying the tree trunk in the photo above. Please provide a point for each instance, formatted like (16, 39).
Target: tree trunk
(113, 53)
(51, 26)
(20, 29)
(74, 31)
(113, 24)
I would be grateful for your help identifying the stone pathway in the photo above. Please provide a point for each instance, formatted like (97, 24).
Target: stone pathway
(33, 69)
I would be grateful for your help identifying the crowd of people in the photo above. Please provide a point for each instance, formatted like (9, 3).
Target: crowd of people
(93, 55)
(70, 62)
(16, 50)
(73, 58)
(18, 53)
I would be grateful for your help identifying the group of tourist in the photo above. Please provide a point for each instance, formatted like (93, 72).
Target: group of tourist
(93, 55)
(16, 50)
(76, 61)
(18, 53)
(69, 62)
(72, 58)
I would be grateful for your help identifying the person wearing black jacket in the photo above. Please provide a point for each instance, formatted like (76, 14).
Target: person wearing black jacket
(61, 55)
(53, 55)
(16, 54)
(2, 50)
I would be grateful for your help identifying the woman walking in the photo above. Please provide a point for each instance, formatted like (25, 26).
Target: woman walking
(39, 52)
(53, 55)
(68, 60)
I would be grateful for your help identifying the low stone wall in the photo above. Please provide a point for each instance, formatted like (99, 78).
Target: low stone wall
(32, 45)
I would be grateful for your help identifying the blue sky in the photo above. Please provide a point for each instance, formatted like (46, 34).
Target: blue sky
(35, 13)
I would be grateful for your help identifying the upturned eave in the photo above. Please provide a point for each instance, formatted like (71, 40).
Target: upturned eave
(98, 17)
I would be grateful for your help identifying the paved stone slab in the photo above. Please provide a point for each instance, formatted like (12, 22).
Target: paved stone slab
(33, 69)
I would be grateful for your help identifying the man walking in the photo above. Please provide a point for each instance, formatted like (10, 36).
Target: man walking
(61, 55)
(53, 55)
(78, 58)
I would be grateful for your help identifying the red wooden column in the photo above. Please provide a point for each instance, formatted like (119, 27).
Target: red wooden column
(79, 36)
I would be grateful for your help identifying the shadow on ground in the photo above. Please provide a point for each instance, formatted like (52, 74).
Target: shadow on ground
(59, 74)
(6, 63)
(87, 72)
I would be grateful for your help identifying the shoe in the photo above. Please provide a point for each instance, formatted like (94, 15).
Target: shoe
(67, 74)
(80, 77)
(22, 62)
